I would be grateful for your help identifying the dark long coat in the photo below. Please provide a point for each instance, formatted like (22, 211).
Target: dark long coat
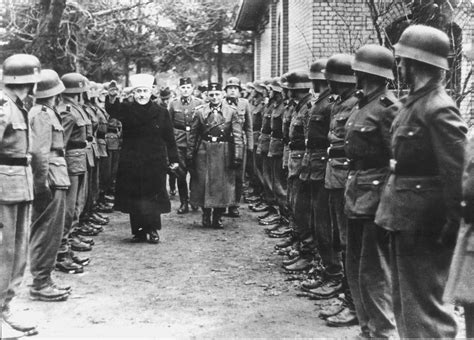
(148, 144)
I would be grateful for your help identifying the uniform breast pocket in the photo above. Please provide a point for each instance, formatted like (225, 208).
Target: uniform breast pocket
(363, 139)
(409, 142)
(58, 176)
(13, 184)
(363, 193)
(340, 126)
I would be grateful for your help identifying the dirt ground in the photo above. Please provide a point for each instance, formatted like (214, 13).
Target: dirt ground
(197, 283)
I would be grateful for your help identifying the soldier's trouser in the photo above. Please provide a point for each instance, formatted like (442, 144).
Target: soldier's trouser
(45, 236)
(301, 208)
(268, 193)
(103, 176)
(112, 167)
(91, 191)
(368, 275)
(72, 196)
(182, 181)
(259, 171)
(278, 181)
(15, 221)
(325, 235)
(82, 195)
(339, 223)
(469, 320)
(172, 181)
(420, 267)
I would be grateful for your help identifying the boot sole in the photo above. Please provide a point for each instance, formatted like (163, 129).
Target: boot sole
(63, 297)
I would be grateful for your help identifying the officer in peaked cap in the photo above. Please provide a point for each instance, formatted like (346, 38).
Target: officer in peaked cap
(75, 122)
(21, 72)
(420, 204)
(367, 145)
(181, 111)
(148, 146)
(215, 151)
(233, 88)
(341, 80)
(51, 182)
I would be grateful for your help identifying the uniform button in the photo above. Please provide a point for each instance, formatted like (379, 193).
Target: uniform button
(347, 142)
(349, 177)
(330, 159)
(363, 129)
(323, 158)
(410, 133)
(350, 124)
(346, 163)
(375, 182)
(418, 186)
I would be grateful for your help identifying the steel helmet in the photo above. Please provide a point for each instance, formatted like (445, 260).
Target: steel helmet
(298, 80)
(21, 69)
(424, 43)
(49, 84)
(74, 82)
(275, 85)
(316, 71)
(284, 80)
(374, 59)
(338, 69)
(259, 87)
(233, 81)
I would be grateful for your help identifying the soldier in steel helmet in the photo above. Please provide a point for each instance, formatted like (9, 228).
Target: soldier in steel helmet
(315, 162)
(233, 88)
(299, 84)
(51, 182)
(181, 112)
(75, 122)
(420, 204)
(367, 145)
(215, 151)
(21, 73)
(341, 80)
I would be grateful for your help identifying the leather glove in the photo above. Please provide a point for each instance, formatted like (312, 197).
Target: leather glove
(237, 164)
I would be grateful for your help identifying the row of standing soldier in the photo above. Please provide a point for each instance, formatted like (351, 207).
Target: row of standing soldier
(368, 187)
(57, 160)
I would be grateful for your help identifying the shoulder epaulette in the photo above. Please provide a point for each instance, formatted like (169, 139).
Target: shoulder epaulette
(386, 101)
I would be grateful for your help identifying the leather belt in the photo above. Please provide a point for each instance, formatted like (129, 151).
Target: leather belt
(336, 153)
(212, 139)
(364, 164)
(410, 172)
(15, 161)
(75, 145)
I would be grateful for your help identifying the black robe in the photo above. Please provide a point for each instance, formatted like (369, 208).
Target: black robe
(148, 145)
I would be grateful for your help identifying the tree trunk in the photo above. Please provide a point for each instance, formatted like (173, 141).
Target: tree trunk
(209, 68)
(219, 59)
(126, 71)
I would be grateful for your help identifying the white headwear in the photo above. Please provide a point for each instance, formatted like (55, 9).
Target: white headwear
(141, 80)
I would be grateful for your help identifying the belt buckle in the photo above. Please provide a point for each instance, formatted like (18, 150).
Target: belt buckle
(188, 128)
(213, 139)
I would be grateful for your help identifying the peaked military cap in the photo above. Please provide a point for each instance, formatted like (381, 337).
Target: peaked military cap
(185, 81)
(214, 87)
(165, 93)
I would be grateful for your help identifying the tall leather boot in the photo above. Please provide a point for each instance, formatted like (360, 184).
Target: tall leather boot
(217, 218)
(206, 217)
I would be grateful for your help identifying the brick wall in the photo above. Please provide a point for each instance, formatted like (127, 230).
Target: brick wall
(300, 35)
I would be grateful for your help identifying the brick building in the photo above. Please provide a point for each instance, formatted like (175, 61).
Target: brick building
(290, 34)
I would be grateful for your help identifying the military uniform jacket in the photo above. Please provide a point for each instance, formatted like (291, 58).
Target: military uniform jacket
(16, 181)
(257, 110)
(245, 117)
(367, 145)
(428, 139)
(49, 164)
(287, 116)
(91, 130)
(102, 128)
(296, 143)
(113, 137)
(316, 132)
(275, 149)
(264, 138)
(337, 167)
(181, 112)
(75, 135)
